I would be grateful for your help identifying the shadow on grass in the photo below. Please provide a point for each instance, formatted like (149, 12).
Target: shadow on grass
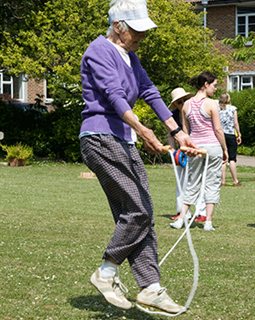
(96, 303)
(251, 225)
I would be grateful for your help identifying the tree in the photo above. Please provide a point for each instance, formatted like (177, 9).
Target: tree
(51, 40)
(13, 13)
(180, 48)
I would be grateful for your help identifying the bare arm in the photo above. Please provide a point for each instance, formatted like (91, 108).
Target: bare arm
(185, 122)
(218, 128)
(236, 124)
(171, 141)
(149, 138)
(147, 135)
(181, 138)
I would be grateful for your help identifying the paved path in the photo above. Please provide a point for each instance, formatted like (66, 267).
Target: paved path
(245, 161)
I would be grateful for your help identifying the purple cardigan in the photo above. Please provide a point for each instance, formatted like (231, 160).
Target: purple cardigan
(110, 87)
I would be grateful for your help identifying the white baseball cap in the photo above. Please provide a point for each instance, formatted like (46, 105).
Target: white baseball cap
(135, 17)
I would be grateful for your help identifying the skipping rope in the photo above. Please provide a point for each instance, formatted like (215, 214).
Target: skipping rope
(179, 159)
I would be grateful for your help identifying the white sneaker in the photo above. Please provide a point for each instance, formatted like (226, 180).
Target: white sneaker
(208, 226)
(112, 289)
(177, 224)
(158, 299)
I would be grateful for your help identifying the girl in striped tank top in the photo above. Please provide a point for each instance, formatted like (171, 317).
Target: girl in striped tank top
(201, 119)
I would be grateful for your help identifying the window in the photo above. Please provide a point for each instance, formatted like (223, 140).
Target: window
(241, 82)
(19, 85)
(234, 83)
(47, 93)
(6, 86)
(245, 21)
(246, 82)
(12, 87)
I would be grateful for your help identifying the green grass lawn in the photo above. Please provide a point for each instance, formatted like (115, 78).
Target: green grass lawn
(55, 226)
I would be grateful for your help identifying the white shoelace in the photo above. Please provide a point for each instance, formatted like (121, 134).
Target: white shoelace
(117, 284)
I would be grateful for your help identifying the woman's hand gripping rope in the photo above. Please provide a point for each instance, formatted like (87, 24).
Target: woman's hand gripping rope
(191, 152)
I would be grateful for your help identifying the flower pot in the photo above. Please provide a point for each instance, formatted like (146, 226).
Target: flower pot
(16, 162)
(18, 154)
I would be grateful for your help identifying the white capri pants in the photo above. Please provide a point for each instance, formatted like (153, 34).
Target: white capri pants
(213, 176)
(183, 178)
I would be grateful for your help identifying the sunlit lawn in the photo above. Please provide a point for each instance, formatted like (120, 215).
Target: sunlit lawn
(55, 226)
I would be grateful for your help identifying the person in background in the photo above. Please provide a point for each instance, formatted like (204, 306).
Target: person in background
(230, 125)
(201, 118)
(179, 96)
(112, 80)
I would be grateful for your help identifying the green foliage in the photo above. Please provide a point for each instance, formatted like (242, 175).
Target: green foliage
(14, 12)
(247, 151)
(18, 151)
(53, 135)
(179, 48)
(244, 47)
(64, 126)
(29, 127)
(150, 120)
(244, 101)
(50, 43)
(52, 40)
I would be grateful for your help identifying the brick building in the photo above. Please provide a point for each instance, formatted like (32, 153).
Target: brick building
(230, 18)
(21, 89)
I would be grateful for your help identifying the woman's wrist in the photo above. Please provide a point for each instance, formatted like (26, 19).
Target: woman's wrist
(174, 132)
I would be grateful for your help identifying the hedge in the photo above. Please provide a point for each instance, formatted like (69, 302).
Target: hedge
(54, 135)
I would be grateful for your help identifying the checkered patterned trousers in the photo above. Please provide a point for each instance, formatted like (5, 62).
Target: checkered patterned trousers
(121, 173)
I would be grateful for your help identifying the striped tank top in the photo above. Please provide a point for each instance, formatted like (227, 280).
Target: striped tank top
(201, 126)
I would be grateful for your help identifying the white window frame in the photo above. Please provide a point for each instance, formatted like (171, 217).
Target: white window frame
(5, 82)
(246, 16)
(22, 86)
(230, 83)
(241, 85)
(249, 84)
(22, 94)
(47, 100)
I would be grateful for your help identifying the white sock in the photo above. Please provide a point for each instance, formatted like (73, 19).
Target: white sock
(154, 286)
(208, 223)
(108, 269)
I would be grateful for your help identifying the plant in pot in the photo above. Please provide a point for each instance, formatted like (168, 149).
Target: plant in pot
(18, 154)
